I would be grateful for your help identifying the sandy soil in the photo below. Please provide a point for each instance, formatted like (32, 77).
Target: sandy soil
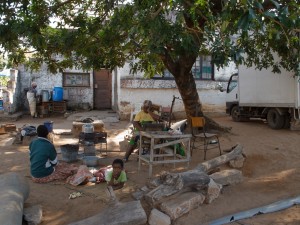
(271, 173)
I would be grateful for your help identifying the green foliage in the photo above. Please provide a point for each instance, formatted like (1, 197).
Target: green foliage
(4, 81)
(161, 34)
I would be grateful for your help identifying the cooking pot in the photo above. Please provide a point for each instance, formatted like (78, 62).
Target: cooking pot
(88, 128)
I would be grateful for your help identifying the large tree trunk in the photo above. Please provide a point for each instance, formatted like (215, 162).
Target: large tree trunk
(181, 70)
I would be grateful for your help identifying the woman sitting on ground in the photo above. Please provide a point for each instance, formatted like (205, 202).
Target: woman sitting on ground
(44, 166)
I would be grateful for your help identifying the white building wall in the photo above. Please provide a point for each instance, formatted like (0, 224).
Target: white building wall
(135, 89)
(76, 96)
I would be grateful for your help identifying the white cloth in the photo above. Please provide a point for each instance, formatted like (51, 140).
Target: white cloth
(32, 103)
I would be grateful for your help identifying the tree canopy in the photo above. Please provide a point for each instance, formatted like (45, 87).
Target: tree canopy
(167, 34)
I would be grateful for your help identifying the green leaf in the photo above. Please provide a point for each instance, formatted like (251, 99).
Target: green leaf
(258, 5)
(243, 23)
(276, 4)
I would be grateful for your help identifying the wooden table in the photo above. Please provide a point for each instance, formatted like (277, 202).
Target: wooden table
(164, 142)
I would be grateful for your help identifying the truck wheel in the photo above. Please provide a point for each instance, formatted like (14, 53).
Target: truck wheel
(275, 120)
(235, 114)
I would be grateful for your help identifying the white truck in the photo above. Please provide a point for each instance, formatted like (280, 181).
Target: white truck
(263, 94)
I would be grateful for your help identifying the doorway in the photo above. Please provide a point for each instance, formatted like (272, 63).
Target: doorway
(102, 89)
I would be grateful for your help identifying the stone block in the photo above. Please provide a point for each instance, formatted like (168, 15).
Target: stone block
(227, 177)
(238, 162)
(213, 191)
(138, 195)
(27, 139)
(158, 218)
(182, 204)
(128, 213)
(33, 215)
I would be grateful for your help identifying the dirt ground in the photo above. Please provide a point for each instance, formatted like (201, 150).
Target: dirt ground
(271, 173)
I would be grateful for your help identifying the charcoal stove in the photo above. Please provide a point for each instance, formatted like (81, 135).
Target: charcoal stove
(89, 140)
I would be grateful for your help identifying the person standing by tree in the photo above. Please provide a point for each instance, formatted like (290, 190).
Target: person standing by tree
(31, 97)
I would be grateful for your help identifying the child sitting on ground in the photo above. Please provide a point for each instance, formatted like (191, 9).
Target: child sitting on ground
(114, 175)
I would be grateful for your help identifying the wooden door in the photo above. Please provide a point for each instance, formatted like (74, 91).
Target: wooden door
(102, 89)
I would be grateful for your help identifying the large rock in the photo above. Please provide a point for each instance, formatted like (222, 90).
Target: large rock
(227, 177)
(129, 213)
(238, 162)
(33, 215)
(158, 218)
(14, 190)
(213, 191)
(182, 204)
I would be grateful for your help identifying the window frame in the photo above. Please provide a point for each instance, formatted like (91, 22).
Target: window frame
(198, 65)
(79, 79)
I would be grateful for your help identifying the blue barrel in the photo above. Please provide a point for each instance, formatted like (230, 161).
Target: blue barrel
(49, 125)
(58, 94)
(1, 104)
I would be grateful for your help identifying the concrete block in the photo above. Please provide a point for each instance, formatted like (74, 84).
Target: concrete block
(213, 191)
(128, 213)
(182, 204)
(238, 162)
(14, 190)
(158, 218)
(138, 195)
(28, 139)
(33, 215)
(227, 177)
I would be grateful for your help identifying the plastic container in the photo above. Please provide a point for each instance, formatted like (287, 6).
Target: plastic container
(1, 104)
(69, 152)
(58, 94)
(45, 96)
(90, 160)
(49, 125)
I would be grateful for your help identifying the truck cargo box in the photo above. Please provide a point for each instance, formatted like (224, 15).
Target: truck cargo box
(264, 88)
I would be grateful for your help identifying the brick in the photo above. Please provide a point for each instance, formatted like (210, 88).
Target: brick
(158, 218)
(227, 177)
(182, 204)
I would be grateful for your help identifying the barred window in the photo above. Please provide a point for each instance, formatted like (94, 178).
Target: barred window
(203, 69)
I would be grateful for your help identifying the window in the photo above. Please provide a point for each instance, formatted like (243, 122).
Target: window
(232, 83)
(76, 79)
(203, 69)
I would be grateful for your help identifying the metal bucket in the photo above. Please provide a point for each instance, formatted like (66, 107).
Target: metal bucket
(69, 152)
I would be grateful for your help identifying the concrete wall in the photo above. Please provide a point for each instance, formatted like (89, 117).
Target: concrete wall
(76, 96)
(12, 99)
(135, 89)
(126, 90)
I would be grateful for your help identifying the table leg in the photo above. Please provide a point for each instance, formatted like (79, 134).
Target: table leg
(151, 157)
(188, 153)
(140, 152)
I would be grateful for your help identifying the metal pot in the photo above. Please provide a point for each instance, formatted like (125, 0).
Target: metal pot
(88, 128)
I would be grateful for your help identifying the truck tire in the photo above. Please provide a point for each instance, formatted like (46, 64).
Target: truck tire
(275, 120)
(235, 115)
